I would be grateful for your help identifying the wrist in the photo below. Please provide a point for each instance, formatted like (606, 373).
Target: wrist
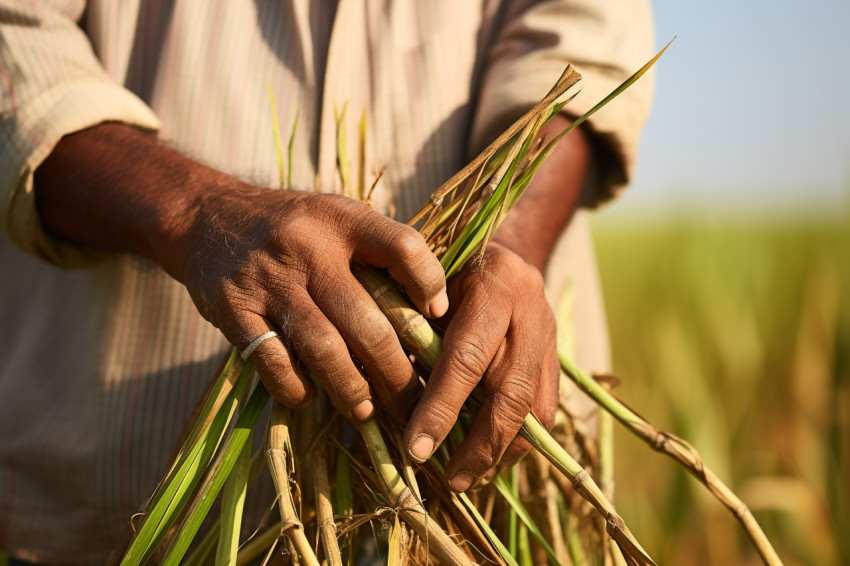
(190, 196)
(532, 228)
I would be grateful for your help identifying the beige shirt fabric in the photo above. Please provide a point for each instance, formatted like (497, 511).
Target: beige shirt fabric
(104, 357)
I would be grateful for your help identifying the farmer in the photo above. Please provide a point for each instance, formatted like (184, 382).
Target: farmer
(140, 238)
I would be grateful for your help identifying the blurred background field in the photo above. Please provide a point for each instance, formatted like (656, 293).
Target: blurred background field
(736, 336)
(726, 271)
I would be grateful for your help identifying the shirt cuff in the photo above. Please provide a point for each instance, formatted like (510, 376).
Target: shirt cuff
(614, 130)
(27, 136)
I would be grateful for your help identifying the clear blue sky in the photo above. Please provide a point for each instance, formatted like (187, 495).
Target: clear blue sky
(752, 108)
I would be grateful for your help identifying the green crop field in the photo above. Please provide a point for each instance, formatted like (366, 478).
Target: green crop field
(737, 338)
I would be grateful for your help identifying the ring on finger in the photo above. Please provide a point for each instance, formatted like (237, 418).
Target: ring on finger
(249, 349)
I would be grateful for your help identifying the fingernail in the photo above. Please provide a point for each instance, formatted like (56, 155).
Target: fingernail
(363, 411)
(422, 448)
(440, 305)
(462, 481)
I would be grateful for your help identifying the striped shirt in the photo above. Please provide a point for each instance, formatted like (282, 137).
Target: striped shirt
(102, 364)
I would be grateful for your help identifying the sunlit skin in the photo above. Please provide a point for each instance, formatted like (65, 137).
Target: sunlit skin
(255, 259)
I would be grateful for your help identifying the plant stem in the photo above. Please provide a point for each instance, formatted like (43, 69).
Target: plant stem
(527, 522)
(533, 431)
(277, 449)
(512, 518)
(678, 449)
(401, 498)
(322, 494)
(257, 545)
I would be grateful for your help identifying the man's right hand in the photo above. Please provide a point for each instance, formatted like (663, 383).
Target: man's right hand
(256, 260)
(253, 260)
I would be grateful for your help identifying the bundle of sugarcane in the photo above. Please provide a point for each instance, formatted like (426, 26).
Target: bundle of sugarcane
(550, 507)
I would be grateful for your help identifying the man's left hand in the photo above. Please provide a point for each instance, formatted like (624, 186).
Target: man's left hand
(501, 333)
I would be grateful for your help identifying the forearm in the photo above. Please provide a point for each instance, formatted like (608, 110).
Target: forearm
(115, 187)
(533, 226)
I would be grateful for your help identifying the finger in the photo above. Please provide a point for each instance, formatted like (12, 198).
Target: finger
(472, 339)
(403, 252)
(276, 367)
(372, 339)
(545, 403)
(511, 386)
(319, 345)
(515, 452)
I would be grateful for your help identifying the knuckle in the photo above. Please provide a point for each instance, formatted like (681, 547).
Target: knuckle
(323, 280)
(468, 361)
(323, 348)
(409, 245)
(380, 341)
(507, 266)
(547, 413)
(291, 395)
(344, 213)
(482, 456)
(528, 276)
(322, 218)
(509, 410)
(524, 381)
(442, 413)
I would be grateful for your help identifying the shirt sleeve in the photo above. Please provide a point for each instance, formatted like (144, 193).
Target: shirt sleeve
(606, 41)
(51, 85)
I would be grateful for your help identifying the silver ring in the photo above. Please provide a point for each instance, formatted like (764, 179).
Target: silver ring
(246, 353)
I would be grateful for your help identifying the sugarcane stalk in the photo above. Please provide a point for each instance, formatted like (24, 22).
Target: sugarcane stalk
(606, 474)
(394, 548)
(417, 335)
(278, 448)
(503, 552)
(402, 499)
(533, 431)
(322, 494)
(524, 546)
(485, 538)
(414, 331)
(679, 450)
(343, 494)
(407, 470)
(198, 556)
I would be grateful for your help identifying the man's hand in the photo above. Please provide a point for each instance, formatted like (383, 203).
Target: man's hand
(269, 259)
(252, 260)
(501, 333)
